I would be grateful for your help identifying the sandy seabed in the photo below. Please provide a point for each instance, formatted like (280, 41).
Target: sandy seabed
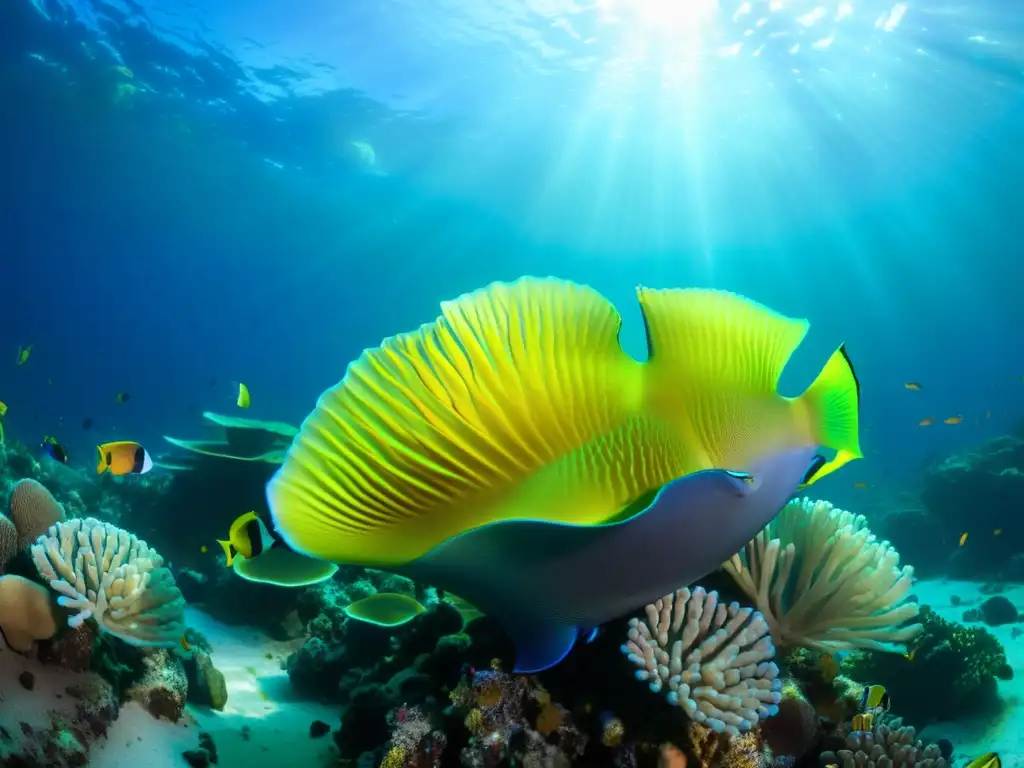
(1003, 733)
(263, 724)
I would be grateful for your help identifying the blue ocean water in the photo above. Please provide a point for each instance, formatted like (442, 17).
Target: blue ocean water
(199, 193)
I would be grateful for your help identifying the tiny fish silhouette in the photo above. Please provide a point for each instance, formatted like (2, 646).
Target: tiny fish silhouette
(860, 485)
(963, 539)
(87, 422)
(926, 422)
(913, 385)
(953, 420)
(123, 397)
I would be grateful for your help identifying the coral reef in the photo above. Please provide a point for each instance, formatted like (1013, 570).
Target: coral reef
(952, 671)
(512, 720)
(163, 686)
(109, 575)
(823, 581)
(884, 747)
(433, 691)
(970, 492)
(88, 632)
(727, 682)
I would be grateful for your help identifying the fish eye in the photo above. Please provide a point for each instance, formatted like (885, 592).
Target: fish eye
(746, 478)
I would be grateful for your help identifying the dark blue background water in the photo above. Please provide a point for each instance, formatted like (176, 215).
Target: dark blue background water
(216, 224)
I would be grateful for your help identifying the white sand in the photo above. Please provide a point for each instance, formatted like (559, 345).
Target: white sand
(1003, 733)
(259, 700)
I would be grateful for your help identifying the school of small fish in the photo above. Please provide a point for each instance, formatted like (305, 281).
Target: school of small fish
(121, 457)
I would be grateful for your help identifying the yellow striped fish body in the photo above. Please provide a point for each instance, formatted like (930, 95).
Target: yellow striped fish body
(516, 421)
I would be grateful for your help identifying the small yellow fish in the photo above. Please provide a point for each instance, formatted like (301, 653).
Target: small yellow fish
(3, 409)
(913, 385)
(963, 539)
(248, 536)
(988, 760)
(23, 354)
(203, 549)
(243, 396)
(926, 422)
(911, 655)
(860, 485)
(953, 420)
(997, 532)
(874, 697)
(122, 397)
(829, 667)
(185, 644)
(122, 457)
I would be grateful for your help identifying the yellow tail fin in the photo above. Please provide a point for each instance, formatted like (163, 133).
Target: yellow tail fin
(226, 546)
(101, 461)
(833, 407)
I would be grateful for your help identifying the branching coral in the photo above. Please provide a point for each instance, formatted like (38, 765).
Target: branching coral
(727, 682)
(953, 674)
(111, 576)
(885, 747)
(823, 581)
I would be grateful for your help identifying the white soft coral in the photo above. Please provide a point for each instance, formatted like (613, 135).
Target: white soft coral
(823, 581)
(109, 575)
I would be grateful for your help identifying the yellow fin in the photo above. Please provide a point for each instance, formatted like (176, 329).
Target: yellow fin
(101, 460)
(432, 433)
(226, 546)
(715, 359)
(988, 760)
(832, 403)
